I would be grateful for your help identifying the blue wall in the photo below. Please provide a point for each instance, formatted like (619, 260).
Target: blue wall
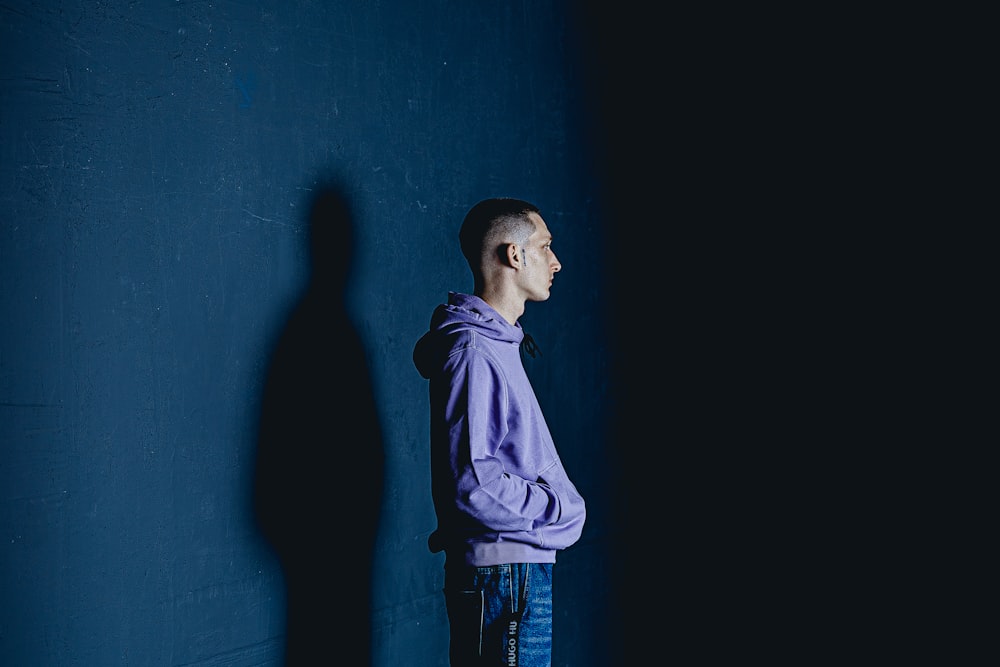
(165, 171)
(223, 225)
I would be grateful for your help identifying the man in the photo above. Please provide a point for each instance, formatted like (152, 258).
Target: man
(504, 503)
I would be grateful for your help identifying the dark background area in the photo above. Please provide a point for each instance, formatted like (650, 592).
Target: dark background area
(223, 226)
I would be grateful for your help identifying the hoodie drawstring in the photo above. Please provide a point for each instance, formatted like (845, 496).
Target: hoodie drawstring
(528, 345)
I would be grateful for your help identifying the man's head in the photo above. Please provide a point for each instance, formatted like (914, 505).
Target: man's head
(493, 223)
(508, 247)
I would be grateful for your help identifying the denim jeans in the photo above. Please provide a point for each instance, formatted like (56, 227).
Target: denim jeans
(481, 603)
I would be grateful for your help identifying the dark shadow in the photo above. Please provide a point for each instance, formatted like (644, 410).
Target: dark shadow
(319, 477)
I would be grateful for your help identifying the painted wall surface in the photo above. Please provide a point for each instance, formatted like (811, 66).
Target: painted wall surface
(223, 225)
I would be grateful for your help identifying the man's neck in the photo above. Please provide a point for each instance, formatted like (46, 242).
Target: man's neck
(510, 307)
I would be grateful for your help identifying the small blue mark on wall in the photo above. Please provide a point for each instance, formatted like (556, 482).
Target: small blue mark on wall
(246, 85)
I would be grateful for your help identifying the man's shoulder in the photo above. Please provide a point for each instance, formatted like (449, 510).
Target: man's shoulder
(470, 346)
(470, 340)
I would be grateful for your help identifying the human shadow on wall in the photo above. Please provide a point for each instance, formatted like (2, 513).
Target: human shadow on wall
(320, 459)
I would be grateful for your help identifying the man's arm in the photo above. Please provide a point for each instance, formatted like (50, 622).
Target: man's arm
(477, 411)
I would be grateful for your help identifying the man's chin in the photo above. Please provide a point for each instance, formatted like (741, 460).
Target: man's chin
(541, 296)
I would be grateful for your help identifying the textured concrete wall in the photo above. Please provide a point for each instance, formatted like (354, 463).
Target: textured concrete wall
(163, 169)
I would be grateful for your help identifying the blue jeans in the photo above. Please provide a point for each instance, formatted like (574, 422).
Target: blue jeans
(482, 603)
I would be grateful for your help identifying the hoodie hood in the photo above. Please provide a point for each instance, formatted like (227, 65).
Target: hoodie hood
(464, 313)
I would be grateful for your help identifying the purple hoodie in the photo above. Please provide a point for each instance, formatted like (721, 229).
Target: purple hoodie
(500, 491)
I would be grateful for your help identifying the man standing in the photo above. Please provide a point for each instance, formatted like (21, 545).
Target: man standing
(504, 503)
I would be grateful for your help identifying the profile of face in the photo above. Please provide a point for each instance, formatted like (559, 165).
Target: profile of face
(539, 262)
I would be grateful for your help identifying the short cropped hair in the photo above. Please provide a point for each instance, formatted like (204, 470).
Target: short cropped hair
(492, 223)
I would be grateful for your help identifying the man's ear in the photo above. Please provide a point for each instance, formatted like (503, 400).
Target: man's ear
(510, 255)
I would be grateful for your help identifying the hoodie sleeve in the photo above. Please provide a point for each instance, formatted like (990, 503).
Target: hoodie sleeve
(486, 487)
